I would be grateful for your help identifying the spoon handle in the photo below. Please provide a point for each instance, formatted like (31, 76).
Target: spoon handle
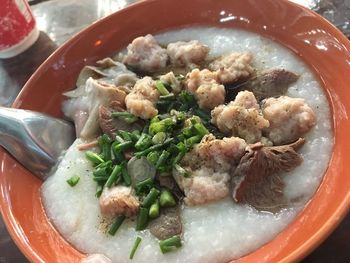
(34, 139)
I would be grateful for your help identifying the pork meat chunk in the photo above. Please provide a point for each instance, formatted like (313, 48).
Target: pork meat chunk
(290, 119)
(204, 185)
(118, 200)
(145, 54)
(209, 164)
(142, 99)
(233, 67)
(208, 92)
(186, 53)
(241, 117)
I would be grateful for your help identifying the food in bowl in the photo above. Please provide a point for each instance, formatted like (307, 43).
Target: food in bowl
(218, 136)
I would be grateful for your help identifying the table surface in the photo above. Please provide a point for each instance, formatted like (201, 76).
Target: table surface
(58, 21)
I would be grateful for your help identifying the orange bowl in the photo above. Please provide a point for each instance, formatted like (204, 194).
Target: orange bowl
(313, 39)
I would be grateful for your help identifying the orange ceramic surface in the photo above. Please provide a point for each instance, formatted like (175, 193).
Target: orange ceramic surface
(316, 41)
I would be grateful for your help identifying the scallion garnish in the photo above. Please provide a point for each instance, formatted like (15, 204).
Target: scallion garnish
(134, 247)
(169, 244)
(143, 142)
(166, 199)
(116, 224)
(154, 210)
(99, 189)
(126, 177)
(93, 157)
(142, 219)
(162, 158)
(161, 88)
(127, 116)
(150, 198)
(123, 146)
(113, 177)
(170, 96)
(154, 147)
(181, 170)
(73, 180)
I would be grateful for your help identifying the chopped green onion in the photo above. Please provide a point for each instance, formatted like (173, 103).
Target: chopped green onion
(101, 179)
(161, 88)
(104, 164)
(134, 247)
(113, 177)
(200, 128)
(181, 147)
(101, 172)
(122, 146)
(193, 140)
(125, 135)
(93, 157)
(118, 139)
(126, 177)
(203, 115)
(162, 158)
(180, 115)
(117, 155)
(187, 98)
(143, 142)
(142, 219)
(178, 158)
(105, 144)
(127, 116)
(116, 224)
(154, 210)
(73, 180)
(159, 137)
(153, 157)
(99, 190)
(144, 185)
(154, 147)
(135, 135)
(181, 170)
(170, 96)
(150, 198)
(162, 126)
(169, 244)
(167, 199)
(188, 131)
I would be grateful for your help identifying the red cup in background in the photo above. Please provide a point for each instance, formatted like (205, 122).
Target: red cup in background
(18, 29)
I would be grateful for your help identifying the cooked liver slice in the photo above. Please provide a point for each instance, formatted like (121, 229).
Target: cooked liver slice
(271, 83)
(256, 180)
(167, 224)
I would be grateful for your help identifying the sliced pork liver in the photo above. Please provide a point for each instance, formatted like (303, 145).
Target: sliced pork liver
(256, 180)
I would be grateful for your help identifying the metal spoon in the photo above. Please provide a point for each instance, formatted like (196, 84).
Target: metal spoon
(34, 139)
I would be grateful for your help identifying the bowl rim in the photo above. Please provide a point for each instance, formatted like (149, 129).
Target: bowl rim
(310, 244)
